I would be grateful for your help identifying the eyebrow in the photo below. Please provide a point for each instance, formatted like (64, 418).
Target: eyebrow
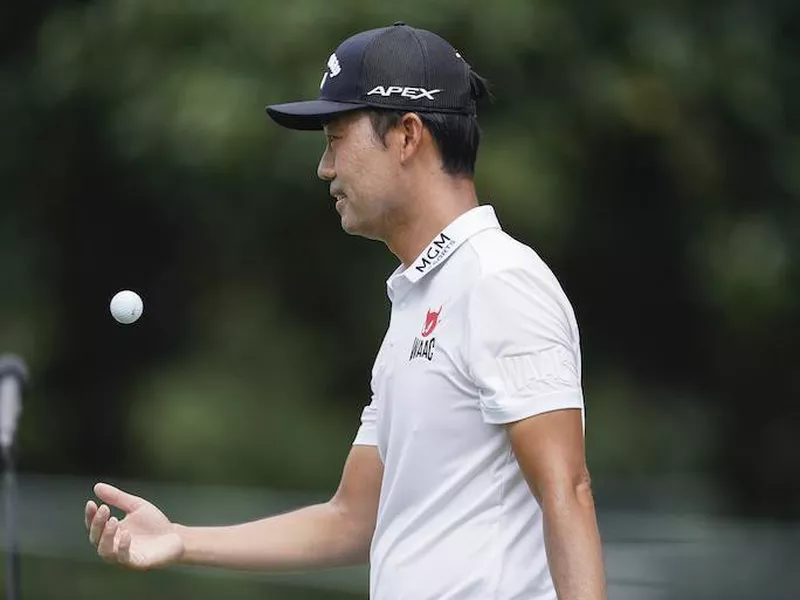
(334, 121)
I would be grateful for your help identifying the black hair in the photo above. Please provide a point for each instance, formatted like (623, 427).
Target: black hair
(457, 136)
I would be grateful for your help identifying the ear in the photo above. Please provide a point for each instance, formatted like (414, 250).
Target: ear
(412, 133)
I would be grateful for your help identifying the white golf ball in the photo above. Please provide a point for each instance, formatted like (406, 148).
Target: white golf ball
(126, 307)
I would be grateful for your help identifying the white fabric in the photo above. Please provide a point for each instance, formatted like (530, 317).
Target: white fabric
(481, 335)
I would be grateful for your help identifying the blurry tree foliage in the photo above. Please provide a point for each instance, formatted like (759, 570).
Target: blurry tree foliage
(649, 151)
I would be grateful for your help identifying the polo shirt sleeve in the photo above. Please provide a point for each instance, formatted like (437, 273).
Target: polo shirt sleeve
(367, 433)
(522, 346)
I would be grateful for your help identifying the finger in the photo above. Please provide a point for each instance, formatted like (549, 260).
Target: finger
(116, 497)
(98, 524)
(106, 546)
(124, 548)
(89, 513)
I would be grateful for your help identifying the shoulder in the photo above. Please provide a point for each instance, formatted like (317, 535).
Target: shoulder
(501, 258)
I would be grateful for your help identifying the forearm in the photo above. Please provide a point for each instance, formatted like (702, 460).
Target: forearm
(574, 549)
(318, 536)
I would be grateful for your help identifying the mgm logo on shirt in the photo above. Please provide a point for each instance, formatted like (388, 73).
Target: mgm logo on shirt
(423, 347)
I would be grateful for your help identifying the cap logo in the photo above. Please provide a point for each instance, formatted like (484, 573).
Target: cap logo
(413, 93)
(334, 68)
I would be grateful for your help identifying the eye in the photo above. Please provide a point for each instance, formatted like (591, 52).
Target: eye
(331, 138)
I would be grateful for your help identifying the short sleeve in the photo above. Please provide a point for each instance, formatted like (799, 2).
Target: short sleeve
(522, 346)
(367, 434)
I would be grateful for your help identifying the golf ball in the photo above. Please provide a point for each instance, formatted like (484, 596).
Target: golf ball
(126, 307)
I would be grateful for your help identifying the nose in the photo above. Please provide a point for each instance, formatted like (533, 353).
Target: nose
(325, 170)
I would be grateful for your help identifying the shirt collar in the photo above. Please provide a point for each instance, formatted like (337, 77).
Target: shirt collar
(443, 245)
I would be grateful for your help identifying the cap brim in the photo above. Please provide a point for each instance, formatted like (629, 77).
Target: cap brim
(308, 115)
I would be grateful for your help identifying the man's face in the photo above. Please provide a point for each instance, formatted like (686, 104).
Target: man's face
(363, 173)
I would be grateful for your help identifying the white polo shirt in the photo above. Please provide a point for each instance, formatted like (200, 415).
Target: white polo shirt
(481, 334)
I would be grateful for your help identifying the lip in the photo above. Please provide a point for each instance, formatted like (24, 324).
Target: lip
(338, 197)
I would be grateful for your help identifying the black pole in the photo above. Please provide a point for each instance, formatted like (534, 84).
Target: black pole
(12, 545)
(13, 376)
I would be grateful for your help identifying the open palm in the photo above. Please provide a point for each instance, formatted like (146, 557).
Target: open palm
(144, 539)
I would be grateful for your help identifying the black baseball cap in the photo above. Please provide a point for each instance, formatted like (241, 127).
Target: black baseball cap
(396, 67)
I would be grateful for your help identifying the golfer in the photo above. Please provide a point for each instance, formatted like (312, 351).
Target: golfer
(467, 477)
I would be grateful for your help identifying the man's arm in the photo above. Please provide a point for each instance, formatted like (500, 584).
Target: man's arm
(335, 533)
(550, 451)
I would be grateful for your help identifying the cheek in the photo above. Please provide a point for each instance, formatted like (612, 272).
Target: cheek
(377, 182)
(369, 171)
(349, 163)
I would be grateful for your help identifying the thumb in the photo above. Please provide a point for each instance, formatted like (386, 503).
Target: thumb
(117, 498)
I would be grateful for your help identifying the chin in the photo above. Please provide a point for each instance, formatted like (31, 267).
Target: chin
(354, 228)
(348, 224)
(348, 229)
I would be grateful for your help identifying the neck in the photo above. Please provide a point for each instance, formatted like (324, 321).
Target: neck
(429, 211)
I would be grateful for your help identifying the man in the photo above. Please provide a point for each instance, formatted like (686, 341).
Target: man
(467, 477)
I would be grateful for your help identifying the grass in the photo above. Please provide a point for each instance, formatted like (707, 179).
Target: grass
(58, 579)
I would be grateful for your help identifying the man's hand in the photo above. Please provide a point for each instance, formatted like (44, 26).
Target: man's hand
(144, 539)
(550, 451)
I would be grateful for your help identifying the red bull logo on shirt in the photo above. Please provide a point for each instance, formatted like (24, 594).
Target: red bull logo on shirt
(431, 320)
(423, 348)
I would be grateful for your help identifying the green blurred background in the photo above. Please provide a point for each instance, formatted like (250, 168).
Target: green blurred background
(648, 150)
